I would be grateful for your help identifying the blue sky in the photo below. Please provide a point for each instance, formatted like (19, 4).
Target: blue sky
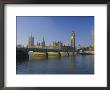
(55, 28)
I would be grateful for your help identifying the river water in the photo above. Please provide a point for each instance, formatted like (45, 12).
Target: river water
(78, 64)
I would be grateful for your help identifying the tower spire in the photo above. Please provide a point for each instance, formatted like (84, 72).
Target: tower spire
(43, 42)
(73, 39)
(31, 41)
(43, 39)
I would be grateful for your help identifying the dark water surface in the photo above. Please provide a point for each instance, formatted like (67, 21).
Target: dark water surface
(79, 64)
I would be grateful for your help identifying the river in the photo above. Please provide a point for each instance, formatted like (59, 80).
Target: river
(78, 64)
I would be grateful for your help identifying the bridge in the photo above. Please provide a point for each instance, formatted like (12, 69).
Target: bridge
(23, 53)
(44, 49)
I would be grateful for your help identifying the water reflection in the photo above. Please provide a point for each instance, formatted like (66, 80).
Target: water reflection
(79, 64)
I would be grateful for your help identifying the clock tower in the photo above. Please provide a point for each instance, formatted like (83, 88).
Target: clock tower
(73, 39)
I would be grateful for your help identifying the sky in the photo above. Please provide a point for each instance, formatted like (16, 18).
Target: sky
(55, 28)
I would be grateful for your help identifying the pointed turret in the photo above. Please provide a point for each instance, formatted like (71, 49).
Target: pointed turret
(43, 42)
(73, 39)
(31, 41)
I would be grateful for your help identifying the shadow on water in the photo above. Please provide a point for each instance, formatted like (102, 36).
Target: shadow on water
(21, 56)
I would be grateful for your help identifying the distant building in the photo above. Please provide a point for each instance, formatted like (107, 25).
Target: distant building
(43, 42)
(57, 45)
(79, 46)
(31, 41)
(72, 40)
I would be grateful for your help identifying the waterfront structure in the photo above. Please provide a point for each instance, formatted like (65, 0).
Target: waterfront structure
(79, 46)
(57, 45)
(31, 41)
(54, 45)
(43, 42)
(55, 49)
(72, 40)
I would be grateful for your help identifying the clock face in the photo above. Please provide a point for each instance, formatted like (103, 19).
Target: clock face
(72, 37)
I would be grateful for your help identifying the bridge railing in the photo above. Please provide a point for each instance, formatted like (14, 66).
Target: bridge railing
(45, 49)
